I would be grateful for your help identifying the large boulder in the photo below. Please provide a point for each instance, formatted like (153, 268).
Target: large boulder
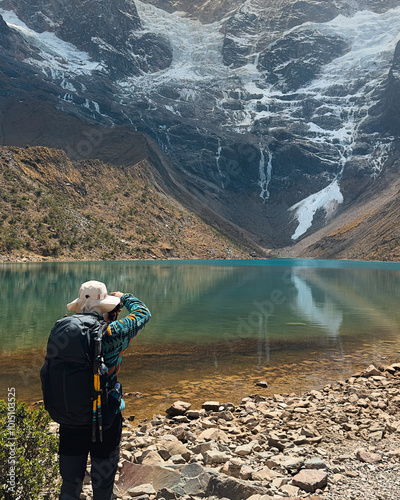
(133, 475)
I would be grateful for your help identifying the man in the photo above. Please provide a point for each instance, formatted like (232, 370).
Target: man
(76, 444)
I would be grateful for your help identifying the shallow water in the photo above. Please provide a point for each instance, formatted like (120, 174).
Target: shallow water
(217, 327)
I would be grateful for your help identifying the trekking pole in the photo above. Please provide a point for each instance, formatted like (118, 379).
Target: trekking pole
(99, 414)
(97, 399)
(94, 420)
(96, 384)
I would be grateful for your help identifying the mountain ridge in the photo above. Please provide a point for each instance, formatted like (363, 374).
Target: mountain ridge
(271, 119)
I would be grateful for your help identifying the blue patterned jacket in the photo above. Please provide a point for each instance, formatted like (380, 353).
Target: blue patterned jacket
(120, 333)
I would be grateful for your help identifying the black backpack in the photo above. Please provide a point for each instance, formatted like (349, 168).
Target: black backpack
(74, 378)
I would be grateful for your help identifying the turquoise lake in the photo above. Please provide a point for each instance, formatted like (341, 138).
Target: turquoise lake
(217, 327)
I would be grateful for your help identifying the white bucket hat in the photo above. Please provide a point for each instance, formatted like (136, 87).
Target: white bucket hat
(93, 296)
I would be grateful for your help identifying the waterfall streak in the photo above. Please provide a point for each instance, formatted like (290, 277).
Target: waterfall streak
(265, 172)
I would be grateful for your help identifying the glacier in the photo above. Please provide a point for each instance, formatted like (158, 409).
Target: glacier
(327, 199)
(196, 48)
(57, 56)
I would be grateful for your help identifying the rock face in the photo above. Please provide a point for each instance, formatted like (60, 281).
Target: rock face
(4, 29)
(306, 52)
(385, 114)
(110, 32)
(273, 21)
(279, 106)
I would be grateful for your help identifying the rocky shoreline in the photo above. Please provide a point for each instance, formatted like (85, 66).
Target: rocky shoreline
(340, 442)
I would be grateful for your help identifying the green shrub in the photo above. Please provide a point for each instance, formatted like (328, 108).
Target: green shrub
(10, 175)
(9, 240)
(107, 256)
(28, 453)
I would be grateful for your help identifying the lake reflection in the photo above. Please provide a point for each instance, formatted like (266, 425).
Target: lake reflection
(217, 327)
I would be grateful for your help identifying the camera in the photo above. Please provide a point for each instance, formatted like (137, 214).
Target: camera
(113, 315)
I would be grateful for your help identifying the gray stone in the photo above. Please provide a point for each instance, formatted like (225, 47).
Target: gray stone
(265, 474)
(278, 482)
(167, 494)
(371, 371)
(177, 459)
(308, 432)
(213, 434)
(215, 457)
(132, 475)
(203, 447)
(245, 449)
(275, 441)
(197, 485)
(175, 447)
(368, 457)
(233, 467)
(376, 436)
(179, 432)
(127, 455)
(178, 408)
(206, 423)
(164, 454)
(194, 414)
(192, 470)
(292, 464)
(211, 406)
(314, 463)
(226, 415)
(246, 472)
(310, 480)
(181, 419)
(143, 489)
(275, 461)
(151, 458)
(393, 368)
(260, 497)
(232, 488)
(290, 490)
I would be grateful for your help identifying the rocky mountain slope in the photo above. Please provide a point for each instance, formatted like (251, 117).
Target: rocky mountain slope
(369, 230)
(276, 119)
(54, 207)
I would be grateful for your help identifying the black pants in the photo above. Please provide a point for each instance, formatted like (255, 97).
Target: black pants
(75, 445)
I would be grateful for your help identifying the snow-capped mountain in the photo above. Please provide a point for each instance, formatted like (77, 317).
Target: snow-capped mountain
(273, 114)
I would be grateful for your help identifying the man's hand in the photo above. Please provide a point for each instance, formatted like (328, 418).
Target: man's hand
(117, 294)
